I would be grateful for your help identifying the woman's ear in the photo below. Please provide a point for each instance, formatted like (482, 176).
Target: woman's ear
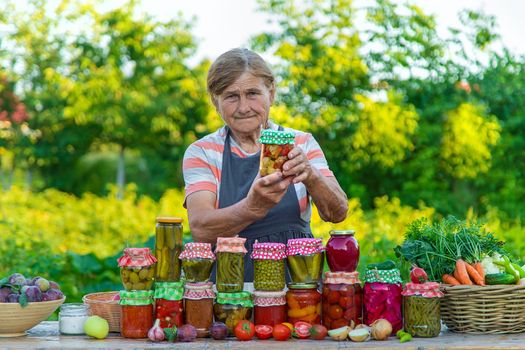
(272, 93)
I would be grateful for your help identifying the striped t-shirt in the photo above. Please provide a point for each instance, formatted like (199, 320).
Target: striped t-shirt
(202, 164)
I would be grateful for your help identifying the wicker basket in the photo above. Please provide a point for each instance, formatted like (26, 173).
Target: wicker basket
(102, 304)
(495, 309)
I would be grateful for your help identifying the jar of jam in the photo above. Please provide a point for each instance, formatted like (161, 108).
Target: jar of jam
(268, 266)
(305, 258)
(304, 303)
(169, 306)
(274, 151)
(198, 306)
(230, 308)
(342, 251)
(269, 307)
(168, 245)
(137, 313)
(421, 311)
(382, 297)
(230, 264)
(197, 262)
(137, 268)
(342, 299)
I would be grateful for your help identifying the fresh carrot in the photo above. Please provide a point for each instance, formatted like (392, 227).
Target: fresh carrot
(474, 275)
(480, 270)
(449, 279)
(462, 274)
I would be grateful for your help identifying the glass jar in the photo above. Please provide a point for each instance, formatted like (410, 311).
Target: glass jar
(168, 245)
(275, 146)
(382, 297)
(198, 307)
(342, 251)
(269, 308)
(342, 299)
(268, 266)
(197, 262)
(169, 306)
(137, 313)
(421, 310)
(305, 258)
(304, 303)
(72, 317)
(137, 268)
(230, 308)
(230, 264)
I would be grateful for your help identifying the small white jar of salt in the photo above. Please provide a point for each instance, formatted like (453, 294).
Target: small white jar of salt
(72, 317)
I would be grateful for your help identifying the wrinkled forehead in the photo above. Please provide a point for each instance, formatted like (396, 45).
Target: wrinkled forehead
(246, 82)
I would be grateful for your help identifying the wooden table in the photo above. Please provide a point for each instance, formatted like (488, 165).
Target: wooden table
(46, 336)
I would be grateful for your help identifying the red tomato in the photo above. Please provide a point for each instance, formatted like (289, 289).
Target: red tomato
(301, 329)
(244, 330)
(350, 314)
(333, 297)
(327, 321)
(335, 312)
(281, 332)
(345, 302)
(338, 323)
(263, 331)
(318, 332)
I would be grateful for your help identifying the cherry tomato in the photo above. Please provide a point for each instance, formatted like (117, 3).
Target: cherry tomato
(318, 332)
(341, 322)
(327, 321)
(244, 330)
(301, 329)
(333, 297)
(281, 332)
(350, 314)
(345, 302)
(335, 312)
(263, 331)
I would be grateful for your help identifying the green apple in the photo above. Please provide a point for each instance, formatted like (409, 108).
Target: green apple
(97, 327)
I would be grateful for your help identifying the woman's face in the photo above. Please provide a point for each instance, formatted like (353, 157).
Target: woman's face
(245, 105)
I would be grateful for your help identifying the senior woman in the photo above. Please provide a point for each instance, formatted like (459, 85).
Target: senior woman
(225, 195)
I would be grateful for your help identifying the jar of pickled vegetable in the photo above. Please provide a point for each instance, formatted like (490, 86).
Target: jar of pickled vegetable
(342, 299)
(268, 266)
(198, 306)
(305, 258)
(342, 251)
(169, 307)
(421, 311)
(137, 268)
(197, 262)
(168, 245)
(230, 308)
(137, 313)
(230, 264)
(269, 307)
(304, 303)
(382, 297)
(274, 151)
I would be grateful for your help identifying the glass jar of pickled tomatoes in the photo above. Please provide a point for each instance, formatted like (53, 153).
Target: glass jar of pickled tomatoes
(342, 299)
(137, 313)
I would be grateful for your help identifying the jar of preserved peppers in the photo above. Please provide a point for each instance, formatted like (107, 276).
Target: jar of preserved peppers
(230, 264)
(382, 297)
(230, 308)
(197, 262)
(274, 151)
(168, 245)
(198, 306)
(137, 268)
(342, 299)
(421, 311)
(342, 251)
(305, 258)
(169, 307)
(304, 303)
(137, 313)
(268, 266)
(269, 307)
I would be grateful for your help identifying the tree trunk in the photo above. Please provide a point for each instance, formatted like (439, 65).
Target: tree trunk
(121, 173)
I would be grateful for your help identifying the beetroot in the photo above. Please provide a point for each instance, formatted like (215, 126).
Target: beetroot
(383, 300)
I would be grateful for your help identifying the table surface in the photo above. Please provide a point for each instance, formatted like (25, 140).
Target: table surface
(46, 336)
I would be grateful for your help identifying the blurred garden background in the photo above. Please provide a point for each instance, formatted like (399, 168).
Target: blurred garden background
(97, 107)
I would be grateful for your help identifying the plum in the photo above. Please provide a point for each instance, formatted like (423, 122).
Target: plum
(54, 285)
(52, 294)
(17, 279)
(41, 283)
(218, 331)
(13, 298)
(4, 293)
(32, 293)
(187, 333)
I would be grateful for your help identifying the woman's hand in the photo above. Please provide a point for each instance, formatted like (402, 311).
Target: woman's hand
(297, 166)
(266, 192)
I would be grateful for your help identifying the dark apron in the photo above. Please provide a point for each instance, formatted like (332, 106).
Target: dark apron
(283, 221)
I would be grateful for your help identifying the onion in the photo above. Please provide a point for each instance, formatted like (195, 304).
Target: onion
(381, 329)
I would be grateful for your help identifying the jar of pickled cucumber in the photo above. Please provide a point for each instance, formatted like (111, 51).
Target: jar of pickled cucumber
(230, 308)
(137, 268)
(169, 306)
(275, 148)
(268, 266)
(230, 253)
(168, 245)
(197, 262)
(303, 303)
(136, 313)
(269, 307)
(421, 311)
(305, 258)
(342, 299)
(198, 306)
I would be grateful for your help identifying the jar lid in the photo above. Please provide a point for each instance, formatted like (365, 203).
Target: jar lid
(426, 290)
(136, 297)
(276, 137)
(231, 245)
(302, 285)
(168, 220)
(268, 251)
(136, 257)
(239, 298)
(197, 291)
(193, 250)
(269, 298)
(304, 246)
(383, 276)
(169, 290)
(341, 277)
(342, 232)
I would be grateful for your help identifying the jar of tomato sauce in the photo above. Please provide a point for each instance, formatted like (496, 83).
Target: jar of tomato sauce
(137, 313)
(269, 307)
(342, 251)
(342, 299)
(198, 306)
(169, 307)
(304, 303)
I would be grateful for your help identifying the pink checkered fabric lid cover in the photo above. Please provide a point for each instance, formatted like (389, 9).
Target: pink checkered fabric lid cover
(231, 245)
(427, 290)
(304, 246)
(136, 257)
(268, 251)
(193, 250)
